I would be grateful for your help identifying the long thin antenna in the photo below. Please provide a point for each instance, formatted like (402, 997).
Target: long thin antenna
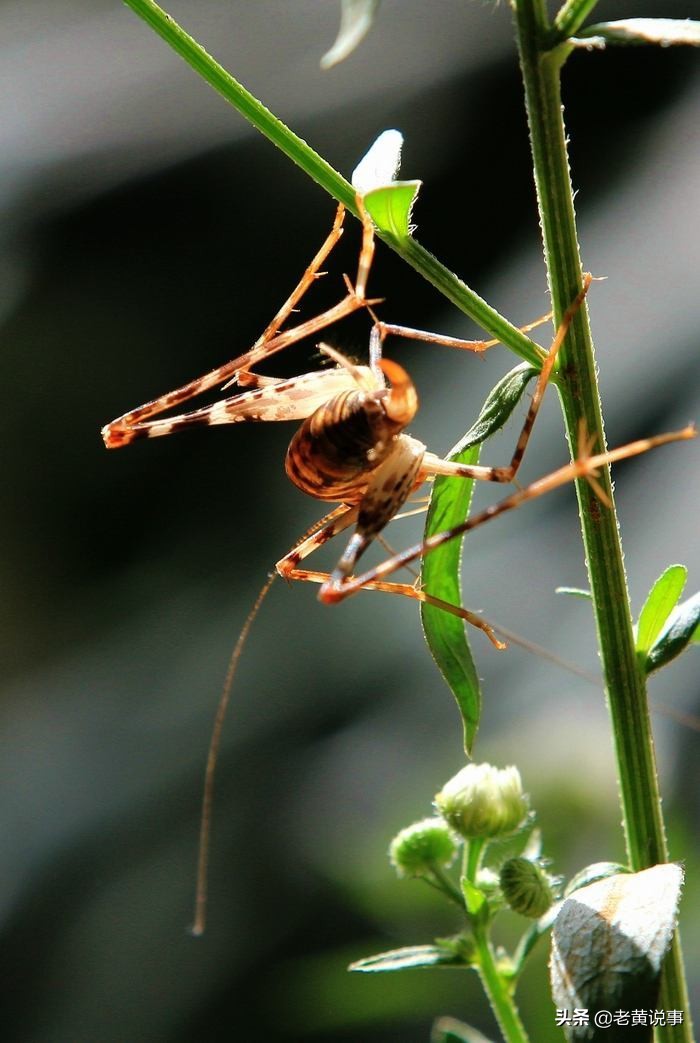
(200, 902)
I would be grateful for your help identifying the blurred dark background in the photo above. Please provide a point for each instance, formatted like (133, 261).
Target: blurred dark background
(147, 235)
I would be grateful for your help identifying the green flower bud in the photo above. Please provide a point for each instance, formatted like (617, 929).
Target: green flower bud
(420, 847)
(526, 887)
(483, 801)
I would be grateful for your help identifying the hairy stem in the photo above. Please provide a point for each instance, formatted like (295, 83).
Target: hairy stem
(577, 383)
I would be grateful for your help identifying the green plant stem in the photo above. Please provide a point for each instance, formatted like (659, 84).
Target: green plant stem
(498, 990)
(571, 17)
(443, 883)
(473, 851)
(496, 987)
(334, 183)
(577, 384)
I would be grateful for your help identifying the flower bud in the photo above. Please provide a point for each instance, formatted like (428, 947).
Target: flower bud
(420, 847)
(526, 887)
(483, 801)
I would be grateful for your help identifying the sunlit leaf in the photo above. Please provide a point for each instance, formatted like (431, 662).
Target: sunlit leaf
(661, 600)
(390, 207)
(680, 631)
(662, 32)
(380, 164)
(408, 958)
(356, 17)
(609, 941)
(476, 902)
(440, 570)
(449, 1030)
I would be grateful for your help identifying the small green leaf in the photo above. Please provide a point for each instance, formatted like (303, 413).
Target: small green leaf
(440, 571)
(356, 17)
(477, 904)
(449, 1030)
(390, 207)
(408, 958)
(660, 602)
(681, 630)
(574, 592)
(663, 32)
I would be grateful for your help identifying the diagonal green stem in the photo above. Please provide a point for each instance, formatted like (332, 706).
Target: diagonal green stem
(577, 383)
(334, 183)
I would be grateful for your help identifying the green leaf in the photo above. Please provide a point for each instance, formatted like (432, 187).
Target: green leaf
(660, 602)
(449, 1030)
(574, 592)
(609, 941)
(662, 32)
(390, 207)
(476, 901)
(445, 634)
(408, 958)
(356, 17)
(682, 628)
(440, 570)
(499, 404)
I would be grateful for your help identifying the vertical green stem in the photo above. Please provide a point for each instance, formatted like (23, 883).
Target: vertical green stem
(577, 383)
(499, 994)
(498, 990)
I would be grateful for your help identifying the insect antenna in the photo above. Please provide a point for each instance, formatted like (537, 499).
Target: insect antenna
(200, 903)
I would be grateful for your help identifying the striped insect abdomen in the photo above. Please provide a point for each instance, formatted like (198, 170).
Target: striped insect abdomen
(338, 447)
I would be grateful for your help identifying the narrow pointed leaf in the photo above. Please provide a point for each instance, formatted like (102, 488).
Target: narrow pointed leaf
(408, 958)
(662, 32)
(500, 403)
(449, 1030)
(440, 576)
(356, 17)
(440, 571)
(679, 633)
(661, 600)
(609, 941)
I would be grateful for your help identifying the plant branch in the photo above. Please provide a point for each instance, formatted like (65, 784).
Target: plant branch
(328, 178)
(571, 17)
(577, 383)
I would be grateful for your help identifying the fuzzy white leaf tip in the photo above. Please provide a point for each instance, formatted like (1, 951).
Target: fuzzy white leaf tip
(380, 165)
